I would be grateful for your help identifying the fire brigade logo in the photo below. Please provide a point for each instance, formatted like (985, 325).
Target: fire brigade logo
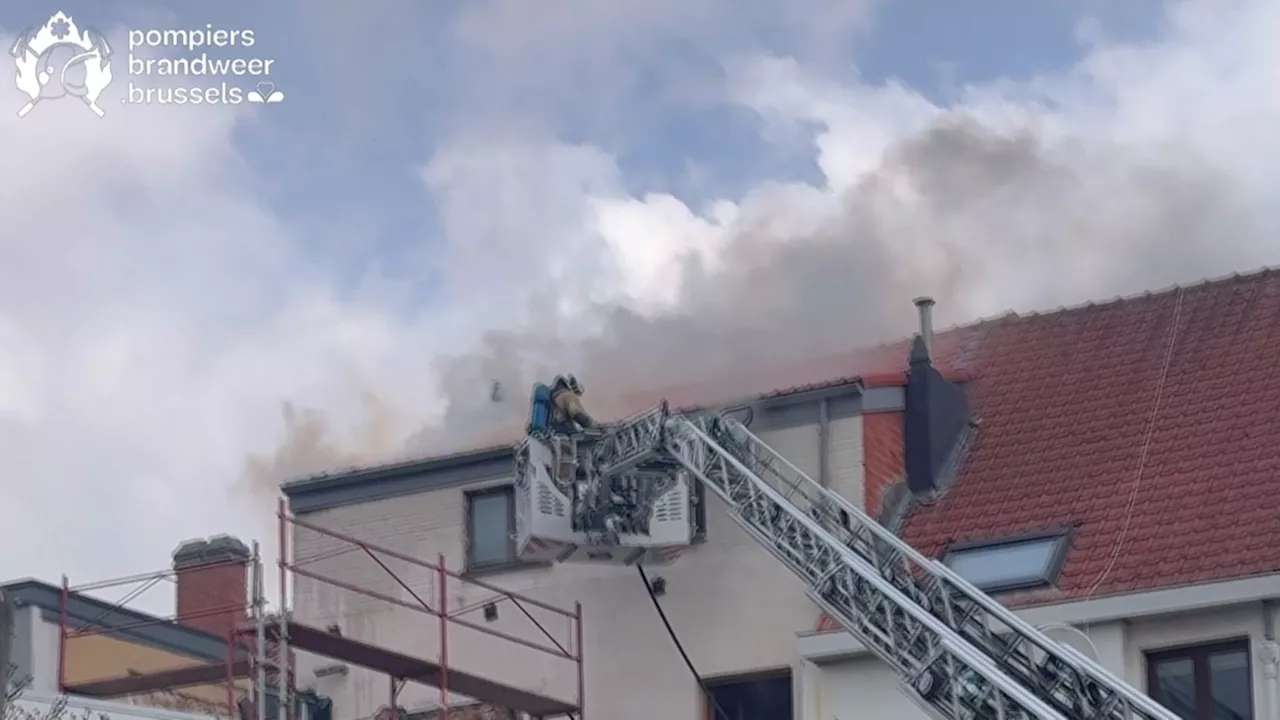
(85, 69)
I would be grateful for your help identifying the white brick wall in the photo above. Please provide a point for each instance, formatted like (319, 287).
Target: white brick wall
(734, 607)
(844, 453)
(845, 458)
(798, 444)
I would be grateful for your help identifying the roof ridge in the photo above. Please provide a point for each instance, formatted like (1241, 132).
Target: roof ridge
(1011, 314)
(1006, 315)
(960, 360)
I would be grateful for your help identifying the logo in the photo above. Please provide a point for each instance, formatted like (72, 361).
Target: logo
(85, 74)
(266, 93)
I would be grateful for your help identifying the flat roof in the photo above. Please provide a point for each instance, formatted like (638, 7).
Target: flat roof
(84, 610)
(776, 409)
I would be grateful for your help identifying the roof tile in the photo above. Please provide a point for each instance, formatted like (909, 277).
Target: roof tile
(1149, 424)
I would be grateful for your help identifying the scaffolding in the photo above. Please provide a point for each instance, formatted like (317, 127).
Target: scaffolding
(400, 667)
(116, 619)
(263, 649)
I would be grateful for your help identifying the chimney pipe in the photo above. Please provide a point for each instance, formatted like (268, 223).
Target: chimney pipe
(925, 305)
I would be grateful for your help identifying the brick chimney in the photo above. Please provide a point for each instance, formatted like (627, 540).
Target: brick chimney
(212, 579)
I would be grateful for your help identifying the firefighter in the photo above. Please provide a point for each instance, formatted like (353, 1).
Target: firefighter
(566, 398)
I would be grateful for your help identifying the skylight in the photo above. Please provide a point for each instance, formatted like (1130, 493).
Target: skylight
(1015, 564)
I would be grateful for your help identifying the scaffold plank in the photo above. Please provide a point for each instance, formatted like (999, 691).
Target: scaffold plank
(162, 680)
(407, 667)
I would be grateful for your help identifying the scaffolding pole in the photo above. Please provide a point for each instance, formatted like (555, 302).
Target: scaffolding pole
(284, 682)
(441, 581)
(259, 603)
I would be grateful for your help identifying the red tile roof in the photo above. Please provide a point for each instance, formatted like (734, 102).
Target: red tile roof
(884, 364)
(1151, 425)
(873, 367)
(1148, 424)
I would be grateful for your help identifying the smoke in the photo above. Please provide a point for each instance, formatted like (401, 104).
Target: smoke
(960, 211)
(310, 448)
(982, 212)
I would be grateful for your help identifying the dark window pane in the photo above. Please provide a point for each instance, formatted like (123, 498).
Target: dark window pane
(1229, 685)
(754, 700)
(1176, 686)
(490, 534)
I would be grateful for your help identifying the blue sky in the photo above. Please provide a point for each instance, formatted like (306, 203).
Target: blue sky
(369, 89)
(455, 193)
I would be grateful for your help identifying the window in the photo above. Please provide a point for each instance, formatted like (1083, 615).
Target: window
(1013, 564)
(1206, 682)
(491, 526)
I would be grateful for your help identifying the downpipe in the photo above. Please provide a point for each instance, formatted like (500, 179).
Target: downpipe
(1269, 655)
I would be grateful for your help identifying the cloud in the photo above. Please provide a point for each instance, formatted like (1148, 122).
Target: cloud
(154, 314)
(170, 349)
(1103, 179)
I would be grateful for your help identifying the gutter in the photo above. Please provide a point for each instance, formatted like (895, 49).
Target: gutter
(389, 470)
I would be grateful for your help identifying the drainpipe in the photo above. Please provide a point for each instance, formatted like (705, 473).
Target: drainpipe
(1269, 653)
(824, 442)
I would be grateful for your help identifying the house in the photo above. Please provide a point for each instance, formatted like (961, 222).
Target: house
(1120, 491)
(110, 659)
(1106, 470)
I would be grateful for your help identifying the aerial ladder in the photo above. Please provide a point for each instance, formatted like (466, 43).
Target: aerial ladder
(960, 654)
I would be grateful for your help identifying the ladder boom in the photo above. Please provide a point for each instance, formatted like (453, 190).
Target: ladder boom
(960, 654)
(942, 672)
(1073, 684)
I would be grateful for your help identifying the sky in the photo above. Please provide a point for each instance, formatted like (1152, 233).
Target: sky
(198, 301)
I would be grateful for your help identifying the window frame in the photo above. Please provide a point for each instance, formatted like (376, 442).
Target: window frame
(1058, 539)
(511, 561)
(715, 683)
(1198, 654)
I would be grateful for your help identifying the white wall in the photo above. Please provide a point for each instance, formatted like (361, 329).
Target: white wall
(734, 607)
(45, 639)
(800, 446)
(846, 458)
(865, 688)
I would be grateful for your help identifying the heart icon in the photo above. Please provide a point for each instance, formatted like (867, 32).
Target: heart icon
(265, 88)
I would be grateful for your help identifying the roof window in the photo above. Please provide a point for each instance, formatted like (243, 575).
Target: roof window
(1009, 564)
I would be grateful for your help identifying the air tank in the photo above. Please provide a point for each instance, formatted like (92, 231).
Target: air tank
(539, 409)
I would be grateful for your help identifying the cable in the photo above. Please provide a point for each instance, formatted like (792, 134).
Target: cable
(1143, 453)
(1072, 628)
(671, 631)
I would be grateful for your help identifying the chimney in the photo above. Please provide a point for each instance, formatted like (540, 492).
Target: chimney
(212, 579)
(936, 418)
(924, 305)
